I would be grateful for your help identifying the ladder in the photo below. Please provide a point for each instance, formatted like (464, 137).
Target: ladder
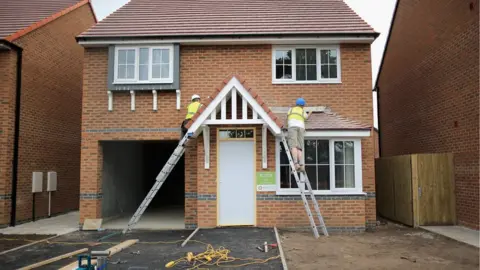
(304, 179)
(162, 176)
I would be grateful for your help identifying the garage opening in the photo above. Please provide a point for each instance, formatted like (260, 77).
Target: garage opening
(129, 171)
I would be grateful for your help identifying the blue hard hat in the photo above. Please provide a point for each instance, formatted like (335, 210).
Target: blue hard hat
(300, 102)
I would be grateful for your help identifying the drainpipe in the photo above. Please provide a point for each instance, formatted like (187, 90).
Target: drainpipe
(13, 202)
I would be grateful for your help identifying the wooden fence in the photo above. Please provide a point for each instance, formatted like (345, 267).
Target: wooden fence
(416, 189)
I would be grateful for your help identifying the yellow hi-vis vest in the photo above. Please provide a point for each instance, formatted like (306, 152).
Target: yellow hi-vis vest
(296, 113)
(192, 108)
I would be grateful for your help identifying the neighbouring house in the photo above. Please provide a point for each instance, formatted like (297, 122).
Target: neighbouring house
(40, 105)
(249, 61)
(428, 91)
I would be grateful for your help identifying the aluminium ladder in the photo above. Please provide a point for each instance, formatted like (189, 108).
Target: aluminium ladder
(162, 176)
(304, 179)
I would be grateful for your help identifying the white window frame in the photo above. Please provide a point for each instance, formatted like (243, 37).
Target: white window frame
(358, 190)
(150, 80)
(318, 48)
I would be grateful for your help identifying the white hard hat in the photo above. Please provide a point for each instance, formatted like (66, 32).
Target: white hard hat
(195, 97)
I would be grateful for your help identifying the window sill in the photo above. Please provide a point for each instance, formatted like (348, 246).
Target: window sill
(321, 193)
(307, 82)
(144, 82)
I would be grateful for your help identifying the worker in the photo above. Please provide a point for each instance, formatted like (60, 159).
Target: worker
(296, 118)
(192, 108)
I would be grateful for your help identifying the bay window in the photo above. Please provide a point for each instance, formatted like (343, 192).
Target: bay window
(143, 64)
(306, 64)
(332, 166)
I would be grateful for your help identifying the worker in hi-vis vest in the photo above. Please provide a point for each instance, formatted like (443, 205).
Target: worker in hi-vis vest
(296, 118)
(192, 108)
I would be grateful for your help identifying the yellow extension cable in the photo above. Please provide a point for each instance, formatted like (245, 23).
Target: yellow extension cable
(210, 257)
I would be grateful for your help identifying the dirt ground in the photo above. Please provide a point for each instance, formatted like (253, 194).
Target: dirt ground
(390, 247)
(9, 241)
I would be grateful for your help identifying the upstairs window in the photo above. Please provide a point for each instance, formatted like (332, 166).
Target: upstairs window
(137, 65)
(306, 64)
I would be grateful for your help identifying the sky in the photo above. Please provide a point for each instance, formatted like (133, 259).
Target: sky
(377, 13)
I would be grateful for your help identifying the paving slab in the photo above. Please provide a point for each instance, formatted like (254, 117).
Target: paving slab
(459, 233)
(56, 225)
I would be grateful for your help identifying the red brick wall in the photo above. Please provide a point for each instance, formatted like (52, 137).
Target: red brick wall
(51, 112)
(429, 91)
(8, 79)
(203, 68)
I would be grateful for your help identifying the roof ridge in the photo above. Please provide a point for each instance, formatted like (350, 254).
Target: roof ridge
(34, 26)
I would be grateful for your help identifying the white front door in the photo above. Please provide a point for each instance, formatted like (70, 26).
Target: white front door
(236, 180)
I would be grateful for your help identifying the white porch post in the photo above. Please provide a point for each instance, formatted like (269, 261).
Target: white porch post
(132, 100)
(110, 101)
(206, 143)
(264, 147)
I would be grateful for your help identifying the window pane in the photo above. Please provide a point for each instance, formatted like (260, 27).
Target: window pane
(301, 75)
(164, 71)
(157, 54)
(349, 176)
(324, 56)
(249, 133)
(279, 72)
(311, 56)
(310, 152)
(300, 56)
(333, 72)
(339, 176)
(323, 151)
(131, 57)
(122, 56)
(240, 133)
(143, 56)
(333, 57)
(349, 156)
(338, 148)
(122, 72)
(279, 57)
(130, 71)
(283, 155)
(165, 56)
(226, 134)
(288, 72)
(312, 175)
(324, 71)
(288, 57)
(156, 71)
(311, 72)
(285, 177)
(143, 72)
(323, 177)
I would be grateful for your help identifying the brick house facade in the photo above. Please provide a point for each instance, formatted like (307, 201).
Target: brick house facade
(133, 112)
(49, 115)
(428, 90)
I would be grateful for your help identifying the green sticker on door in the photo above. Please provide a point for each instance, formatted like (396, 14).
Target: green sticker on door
(266, 181)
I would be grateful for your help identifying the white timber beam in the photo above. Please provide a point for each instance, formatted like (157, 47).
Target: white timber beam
(264, 147)
(234, 104)
(178, 99)
(155, 106)
(254, 114)
(110, 101)
(206, 142)
(244, 109)
(132, 100)
(235, 122)
(224, 109)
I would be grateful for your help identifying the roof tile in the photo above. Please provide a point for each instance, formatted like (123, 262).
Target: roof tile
(170, 18)
(19, 17)
(329, 121)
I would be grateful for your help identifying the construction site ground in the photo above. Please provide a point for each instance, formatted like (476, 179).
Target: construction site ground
(391, 246)
(154, 250)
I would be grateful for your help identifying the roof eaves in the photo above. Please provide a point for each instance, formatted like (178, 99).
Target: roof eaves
(43, 22)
